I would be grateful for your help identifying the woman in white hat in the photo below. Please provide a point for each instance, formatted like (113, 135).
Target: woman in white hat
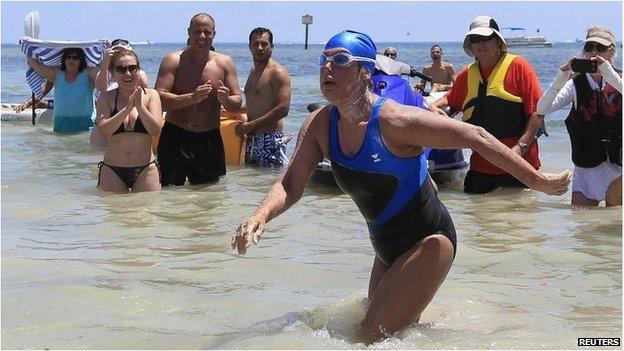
(498, 92)
(595, 120)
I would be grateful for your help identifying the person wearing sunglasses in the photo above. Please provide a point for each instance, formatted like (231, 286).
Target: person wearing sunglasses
(499, 92)
(376, 151)
(128, 116)
(194, 83)
(390, 52)
(267, 97)
(594, 122)
(104, 80)
(73, 91)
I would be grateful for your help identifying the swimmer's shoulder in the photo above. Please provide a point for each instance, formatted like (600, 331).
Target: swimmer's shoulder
(319, 119)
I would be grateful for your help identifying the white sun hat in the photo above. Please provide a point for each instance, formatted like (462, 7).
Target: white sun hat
(483, 26)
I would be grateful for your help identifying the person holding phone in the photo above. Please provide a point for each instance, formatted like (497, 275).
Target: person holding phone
(594, 88)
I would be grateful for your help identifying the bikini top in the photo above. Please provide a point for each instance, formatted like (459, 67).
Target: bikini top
(138, 125)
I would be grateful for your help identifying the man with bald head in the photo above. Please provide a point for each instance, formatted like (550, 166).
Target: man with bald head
(193, 84)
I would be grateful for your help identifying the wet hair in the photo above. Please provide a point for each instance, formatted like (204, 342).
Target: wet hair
(260, 31)
(121, 53)
(71, 51)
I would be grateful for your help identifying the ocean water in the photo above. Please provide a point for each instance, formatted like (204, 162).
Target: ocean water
(87, 270)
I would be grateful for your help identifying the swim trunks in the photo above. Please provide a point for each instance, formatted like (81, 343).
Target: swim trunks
(266, 150)
(593, 182)
(394, 194)
(198, 156)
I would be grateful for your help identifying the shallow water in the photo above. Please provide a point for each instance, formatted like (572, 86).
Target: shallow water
(83, 269)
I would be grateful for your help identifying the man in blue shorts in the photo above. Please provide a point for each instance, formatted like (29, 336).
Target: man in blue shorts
(267, 95)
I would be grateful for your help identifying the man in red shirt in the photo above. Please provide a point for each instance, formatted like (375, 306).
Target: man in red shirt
(498, 92)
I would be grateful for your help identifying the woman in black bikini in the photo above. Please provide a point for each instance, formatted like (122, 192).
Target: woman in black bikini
(128, 117)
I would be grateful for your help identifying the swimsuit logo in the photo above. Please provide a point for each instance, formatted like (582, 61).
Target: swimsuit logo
(375, 158)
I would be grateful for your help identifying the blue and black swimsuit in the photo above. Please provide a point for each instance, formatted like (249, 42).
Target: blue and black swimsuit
(394, 194)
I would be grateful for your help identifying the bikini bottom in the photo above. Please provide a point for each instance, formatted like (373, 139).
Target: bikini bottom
(128, 175)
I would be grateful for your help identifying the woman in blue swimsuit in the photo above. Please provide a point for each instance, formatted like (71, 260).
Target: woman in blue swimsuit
(128, 117)
(375, 146)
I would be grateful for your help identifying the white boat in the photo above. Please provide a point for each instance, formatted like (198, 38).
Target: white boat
(524, 40)
(9, 114)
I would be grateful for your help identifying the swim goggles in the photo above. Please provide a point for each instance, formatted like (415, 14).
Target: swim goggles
(342, 59)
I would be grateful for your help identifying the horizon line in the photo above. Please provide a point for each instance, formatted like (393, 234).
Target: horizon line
(147, 42)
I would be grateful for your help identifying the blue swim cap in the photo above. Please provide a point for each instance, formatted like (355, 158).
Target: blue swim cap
(358, 44)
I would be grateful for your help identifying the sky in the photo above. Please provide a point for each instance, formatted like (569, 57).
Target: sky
(385, 21)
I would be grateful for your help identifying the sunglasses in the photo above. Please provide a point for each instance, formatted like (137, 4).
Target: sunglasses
(123, 69)
(589, 47)
(474, 39)
(390, 54)
(342, 59)
(120, 42)
(72, 57)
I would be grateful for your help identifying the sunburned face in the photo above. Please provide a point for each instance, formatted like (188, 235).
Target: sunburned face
(126, 71)
(201, 33)
(260, 47)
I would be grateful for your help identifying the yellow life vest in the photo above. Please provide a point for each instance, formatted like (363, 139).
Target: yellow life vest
(489, 105)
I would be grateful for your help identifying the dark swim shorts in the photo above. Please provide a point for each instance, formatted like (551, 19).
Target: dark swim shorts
(198, 156)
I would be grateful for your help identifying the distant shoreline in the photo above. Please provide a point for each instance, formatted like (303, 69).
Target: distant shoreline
(300, 43)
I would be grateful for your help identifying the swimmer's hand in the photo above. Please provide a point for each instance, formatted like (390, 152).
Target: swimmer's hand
(554, 183)
(223, 93)
(249, 231)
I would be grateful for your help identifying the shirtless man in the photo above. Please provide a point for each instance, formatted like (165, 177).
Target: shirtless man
(193, 85)
(267, 95)
(442, 73)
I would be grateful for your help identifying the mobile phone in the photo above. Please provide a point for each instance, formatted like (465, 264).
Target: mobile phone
(584, 66)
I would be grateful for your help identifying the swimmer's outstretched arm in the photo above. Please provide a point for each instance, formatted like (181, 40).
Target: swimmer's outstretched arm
(417, 127)
(288, 190)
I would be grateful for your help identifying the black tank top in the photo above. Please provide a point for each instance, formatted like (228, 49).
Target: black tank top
(138, 125)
